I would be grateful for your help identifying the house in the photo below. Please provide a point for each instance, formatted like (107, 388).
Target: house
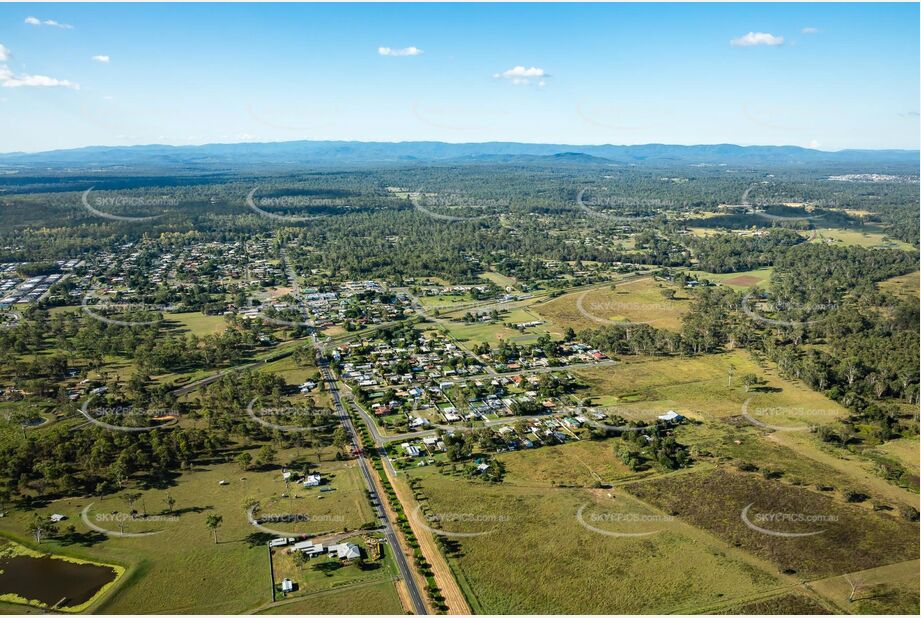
(345, 551)
(412, 450)
(483, 467)
(671, 417)
(309, 548)
(313, 480)
(56, 517)
(280, 542)
(287, 585)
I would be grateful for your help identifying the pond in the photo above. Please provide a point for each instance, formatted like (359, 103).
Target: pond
(50, 580)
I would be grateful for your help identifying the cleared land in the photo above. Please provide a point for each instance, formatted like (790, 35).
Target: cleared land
(742, 280)
(532, 536)
(903, 285)
(871, 236)
(640, 387)
(831, 536)
(378, 598)
(640, 301)
(230, 576)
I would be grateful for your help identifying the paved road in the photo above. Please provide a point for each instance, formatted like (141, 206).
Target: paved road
(389, 533)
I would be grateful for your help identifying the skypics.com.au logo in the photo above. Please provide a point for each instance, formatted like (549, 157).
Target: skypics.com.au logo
(127, 419)
(122, 313)
(597, 207)
(782, 523)
(436, 205)
(622, 523)
(289, 203)
(100, 205)
(290, 419)
(439, 521)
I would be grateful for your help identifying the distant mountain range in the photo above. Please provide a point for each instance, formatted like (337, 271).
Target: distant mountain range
(323, 153)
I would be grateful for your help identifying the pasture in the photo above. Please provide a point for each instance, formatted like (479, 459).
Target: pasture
(535, 535)
(642, 387)
(871, 236)
(230, 576)
(639, 300)
(809, 533)
(374, 598)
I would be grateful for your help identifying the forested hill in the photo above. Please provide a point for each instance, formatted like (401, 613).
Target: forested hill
(340, 152)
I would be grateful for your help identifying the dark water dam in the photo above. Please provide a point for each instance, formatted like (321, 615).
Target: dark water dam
(49, 580)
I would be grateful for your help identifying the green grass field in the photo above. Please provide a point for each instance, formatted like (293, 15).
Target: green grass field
(376, 598)
(197, 323)
(180, 569)
(641, 387)
(533, 537)
(742, 280)
(635, 301)
(871, 236)
(903, 285)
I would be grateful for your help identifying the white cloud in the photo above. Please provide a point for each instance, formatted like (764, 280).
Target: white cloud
(8, 80)
(522, 76)
(809, 30)
(103, 59)
(35, 21)
(756, 38)
(406, 51)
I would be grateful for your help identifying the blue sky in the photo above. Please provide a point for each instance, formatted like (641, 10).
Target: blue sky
(830, 76)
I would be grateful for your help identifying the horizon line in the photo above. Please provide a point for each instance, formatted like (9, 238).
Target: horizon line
(439, 141)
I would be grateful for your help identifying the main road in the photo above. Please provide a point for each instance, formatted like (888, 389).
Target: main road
(389, 533)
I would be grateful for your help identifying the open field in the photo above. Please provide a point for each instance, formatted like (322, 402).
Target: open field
(829, 536)
(376, 598)
(785, 604)
(889, 589)
(634, 301)
(229, 576)
(574, 464)
(499, 279)
(532, 536)
(492, 333)
(743, 280)
(903, 285)
(906, 450)
(871, 236)
(197, 323)
(641, 387)
(339, 504)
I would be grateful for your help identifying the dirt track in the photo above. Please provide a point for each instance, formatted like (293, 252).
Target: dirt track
(454, 598)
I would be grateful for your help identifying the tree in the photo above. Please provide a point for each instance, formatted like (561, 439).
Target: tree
(245, 460)
(340, 438)
(570, 334)
(266, 456)
(213, 523)
(170, 503)
(749, 380)
(130, 498)
(40, 528)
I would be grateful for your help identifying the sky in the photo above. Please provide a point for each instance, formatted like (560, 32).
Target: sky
(827, 76)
